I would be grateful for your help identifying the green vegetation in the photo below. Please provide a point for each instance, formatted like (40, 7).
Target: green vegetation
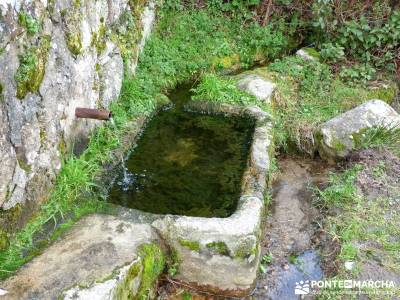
(380, 137)
(31, 68)
(153, 266)
(267, 259)
(29, 22)
(364, 226)
(363, 38)
(218, 248)
(126, 33)
(221, 90)
(309, 94)
(99, 38)
(72, 19)
(192, 245)
(341, 189)
(173, 262)
(149, 267)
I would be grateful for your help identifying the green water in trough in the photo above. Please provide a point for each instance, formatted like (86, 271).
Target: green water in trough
(186, 163)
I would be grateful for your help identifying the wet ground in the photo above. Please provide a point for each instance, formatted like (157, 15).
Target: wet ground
(289, 233)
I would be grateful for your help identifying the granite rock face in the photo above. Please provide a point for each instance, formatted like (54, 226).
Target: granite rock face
(56, 56)
(339, 136)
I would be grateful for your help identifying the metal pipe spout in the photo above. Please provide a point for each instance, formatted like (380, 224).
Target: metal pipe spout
(92, 113)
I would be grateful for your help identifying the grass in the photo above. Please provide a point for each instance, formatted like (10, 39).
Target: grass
(364, 227)
(184, 45)
(382, 137)
(307, 94)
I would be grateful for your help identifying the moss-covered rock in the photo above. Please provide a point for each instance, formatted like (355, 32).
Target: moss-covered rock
(153, 262)
(72, 19)
(26, 20)
(218, 248)
(127, 289)
(99, 38)
(192, 245)
(32, 65)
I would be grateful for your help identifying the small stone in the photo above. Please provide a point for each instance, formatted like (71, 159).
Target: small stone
(308, 54)
(257, 86)
(286, 267)
(349, 265)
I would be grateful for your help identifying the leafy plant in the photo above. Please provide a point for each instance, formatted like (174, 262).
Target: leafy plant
(267, 259)
(332, 53)
(359, 73)
(29, 22)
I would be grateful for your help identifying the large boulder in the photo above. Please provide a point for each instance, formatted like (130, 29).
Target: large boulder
(337, 137)
(257, 86)
(99, 259)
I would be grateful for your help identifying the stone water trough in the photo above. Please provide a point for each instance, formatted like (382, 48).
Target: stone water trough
(100, 258)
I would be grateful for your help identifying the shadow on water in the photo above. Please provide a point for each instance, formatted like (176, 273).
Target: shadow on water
(186, 163)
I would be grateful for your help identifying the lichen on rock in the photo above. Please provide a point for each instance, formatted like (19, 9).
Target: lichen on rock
(72, 19)
(31, 68)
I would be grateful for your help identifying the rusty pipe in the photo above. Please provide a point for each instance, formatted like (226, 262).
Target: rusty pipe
(92, 113)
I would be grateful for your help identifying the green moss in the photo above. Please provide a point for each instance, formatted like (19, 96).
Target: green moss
(24, 166)
(227, 62)
(9, 218)
(245, 249)
(312, 52)
(32, 65)
(338, 145)
(42, 135)
(72, 21)
(76, 3)
(62, 147)
(99, 39)
(124, 291)
(192, 245)
(31, 25)
(385, 93)
(3, 240)
(74, 43)
(218, 247)
(173, 262)
(153, 262)
(137, 7)
(126, 34)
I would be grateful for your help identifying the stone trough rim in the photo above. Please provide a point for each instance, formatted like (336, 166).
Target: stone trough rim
(262, 120)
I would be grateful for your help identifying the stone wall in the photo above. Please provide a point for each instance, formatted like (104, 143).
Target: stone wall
(56, 56)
